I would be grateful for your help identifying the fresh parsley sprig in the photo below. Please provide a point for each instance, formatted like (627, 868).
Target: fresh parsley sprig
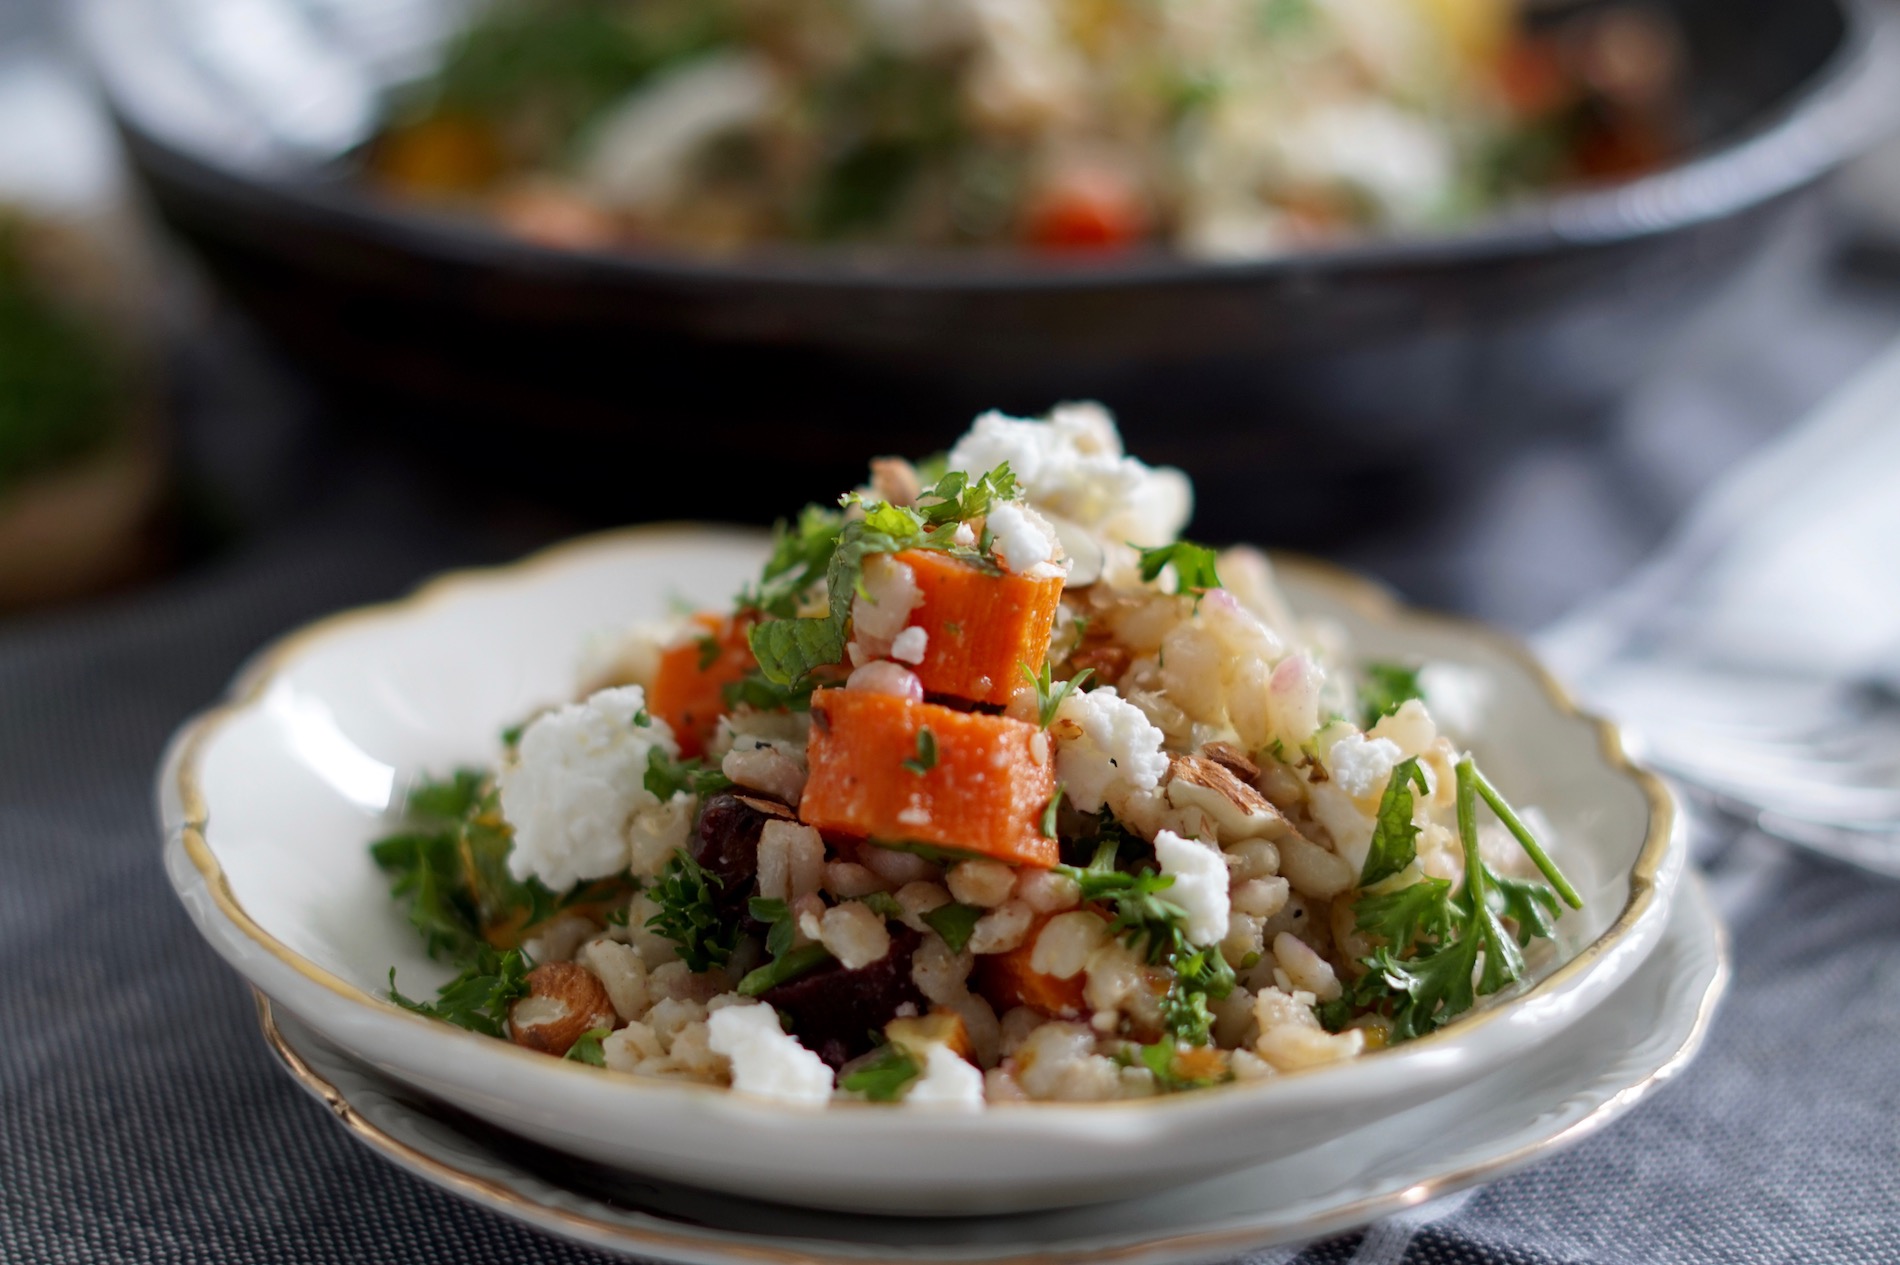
(1193, 566)
(1441, 949)
(1155, 926)
(478, 999)
(690, 915)
(789, 649)
(1386, 688)
(449, 865)
(1394, 837)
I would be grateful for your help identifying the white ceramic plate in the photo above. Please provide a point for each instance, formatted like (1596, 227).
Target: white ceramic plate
(1612, 1058)
(268, 802)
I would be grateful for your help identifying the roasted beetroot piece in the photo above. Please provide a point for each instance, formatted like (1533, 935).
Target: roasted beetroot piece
(728, 845)
(834, 1012)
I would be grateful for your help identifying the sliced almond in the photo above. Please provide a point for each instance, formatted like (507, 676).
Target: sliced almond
(1237, 810)
(565, 1000)
(1233, 759)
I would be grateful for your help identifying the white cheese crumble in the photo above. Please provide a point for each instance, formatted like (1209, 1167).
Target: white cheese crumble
(1072, 466)
(1200, 884)
(577, 779)
(1021, 538)
(911, 645)
(948, 1081)
(1359, 765)
(767, 1060)
(1116, 753)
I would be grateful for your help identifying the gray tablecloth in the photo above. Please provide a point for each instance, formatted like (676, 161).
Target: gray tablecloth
(144, 1121)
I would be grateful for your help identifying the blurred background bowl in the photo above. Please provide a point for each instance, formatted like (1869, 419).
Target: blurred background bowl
(1308, 395)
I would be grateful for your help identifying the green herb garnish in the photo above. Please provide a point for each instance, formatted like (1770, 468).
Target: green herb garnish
(1443, 950)
(1387, 687)
(667, 777)
(1193, 566)
(926, 757)
(954, 922)
(1050, 692)
(687, 894)
(884, 1077)
(1048, 823)
(586, 1048)
(1394, 839)
(787, 963)
(478, 999)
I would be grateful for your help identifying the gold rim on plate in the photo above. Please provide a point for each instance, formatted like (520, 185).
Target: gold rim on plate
(1369, 599)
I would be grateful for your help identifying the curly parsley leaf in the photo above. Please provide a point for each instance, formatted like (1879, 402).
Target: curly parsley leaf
(1193, 566)
(449, 866)
(690, 915)
(883, 1077)
(1386, 688)
(1155, 926)
(789, 649)
(1407, 914)
(586, 1048)
(1394, 837)
(478, 999)
(954, 922)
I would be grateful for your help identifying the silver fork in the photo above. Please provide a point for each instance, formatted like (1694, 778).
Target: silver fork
(1756, 658)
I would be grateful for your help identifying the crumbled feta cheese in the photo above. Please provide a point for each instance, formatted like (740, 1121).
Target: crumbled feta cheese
(1021, 538)
(1072, 466)
(948, 1081)
(577, 779)
(1359, 765)
(1116, 753)
(767, 1060)
(911, 645)
(1200, 884)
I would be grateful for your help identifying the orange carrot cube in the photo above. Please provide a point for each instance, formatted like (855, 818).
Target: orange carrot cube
(888, 769)
(689, 690)
(982, 627)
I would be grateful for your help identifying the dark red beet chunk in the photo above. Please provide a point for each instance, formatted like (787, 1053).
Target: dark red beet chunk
(728, 845)
(834, 1012)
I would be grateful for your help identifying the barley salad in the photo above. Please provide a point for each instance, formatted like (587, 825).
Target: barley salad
(991, 789)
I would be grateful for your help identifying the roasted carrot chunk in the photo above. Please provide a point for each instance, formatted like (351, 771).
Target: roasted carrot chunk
(1008, 980)
(982, 627)
(888, 769)
(689, 691)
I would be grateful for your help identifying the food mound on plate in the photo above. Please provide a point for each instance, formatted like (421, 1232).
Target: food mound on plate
(990, 789)
(1220, 128)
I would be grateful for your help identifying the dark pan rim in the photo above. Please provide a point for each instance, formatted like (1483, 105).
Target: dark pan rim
(1843, 108)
